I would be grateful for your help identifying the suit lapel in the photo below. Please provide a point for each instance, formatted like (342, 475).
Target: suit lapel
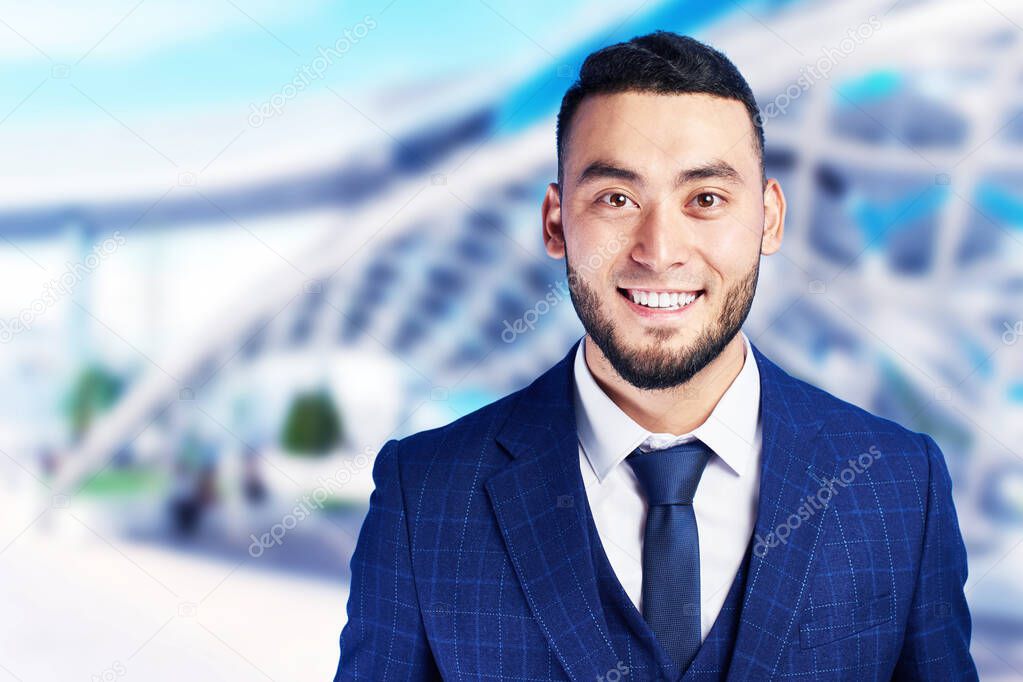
(791, 469)
(538, 499)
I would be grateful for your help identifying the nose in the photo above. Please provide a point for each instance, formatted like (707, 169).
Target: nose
(663, 239)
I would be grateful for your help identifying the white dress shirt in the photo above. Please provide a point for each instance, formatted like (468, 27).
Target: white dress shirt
(726, 498)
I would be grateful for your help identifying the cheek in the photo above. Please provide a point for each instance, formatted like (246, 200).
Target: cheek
(593, 229)
(746, 229)
(592, 265)
(594, 252)
(734, 245)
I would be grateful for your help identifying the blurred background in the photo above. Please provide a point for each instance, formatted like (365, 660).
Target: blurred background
(243, 243)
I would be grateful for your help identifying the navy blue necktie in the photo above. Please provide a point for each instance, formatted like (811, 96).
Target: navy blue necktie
(671, 545)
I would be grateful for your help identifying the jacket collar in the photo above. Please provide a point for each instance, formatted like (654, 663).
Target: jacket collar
(607, 434)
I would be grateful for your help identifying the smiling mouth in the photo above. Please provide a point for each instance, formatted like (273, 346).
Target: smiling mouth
(664, 300)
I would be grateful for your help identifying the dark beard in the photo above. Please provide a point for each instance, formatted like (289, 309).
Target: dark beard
(652, 368)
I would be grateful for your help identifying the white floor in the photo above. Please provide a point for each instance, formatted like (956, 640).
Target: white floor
(78, 607)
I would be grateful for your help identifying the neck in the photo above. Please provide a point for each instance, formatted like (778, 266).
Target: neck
(675, 410)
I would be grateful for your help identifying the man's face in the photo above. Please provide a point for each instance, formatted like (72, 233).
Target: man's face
(662, 223)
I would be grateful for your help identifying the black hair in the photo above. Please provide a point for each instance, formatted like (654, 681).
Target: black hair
(661, 62)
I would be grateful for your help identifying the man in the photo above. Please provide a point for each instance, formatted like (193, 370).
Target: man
(665, 502)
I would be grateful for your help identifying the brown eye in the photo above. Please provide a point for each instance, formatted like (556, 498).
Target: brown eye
(705, 200)
(615, 200)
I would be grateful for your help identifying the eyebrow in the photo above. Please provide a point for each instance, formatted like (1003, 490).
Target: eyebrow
(716, 169)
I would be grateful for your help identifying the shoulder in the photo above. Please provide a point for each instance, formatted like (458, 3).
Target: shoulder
(468, 446)
(851, 430)
(801, 401)
(446, 454)
(843, 416)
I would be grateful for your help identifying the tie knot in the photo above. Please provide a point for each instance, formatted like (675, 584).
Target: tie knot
(670, 476)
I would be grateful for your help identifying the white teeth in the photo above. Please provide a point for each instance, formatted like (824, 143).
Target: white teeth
(668, 300)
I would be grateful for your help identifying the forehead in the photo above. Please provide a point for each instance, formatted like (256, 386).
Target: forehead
(666, 131)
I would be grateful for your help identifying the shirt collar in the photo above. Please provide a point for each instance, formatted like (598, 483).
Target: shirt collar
(608, 435)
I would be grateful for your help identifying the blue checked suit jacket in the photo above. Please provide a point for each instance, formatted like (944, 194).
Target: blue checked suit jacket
(474, 560)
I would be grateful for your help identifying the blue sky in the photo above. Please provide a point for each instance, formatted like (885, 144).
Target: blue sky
(243, 54)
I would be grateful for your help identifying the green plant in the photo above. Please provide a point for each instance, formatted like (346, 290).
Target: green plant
(92, 393)
(312, 426)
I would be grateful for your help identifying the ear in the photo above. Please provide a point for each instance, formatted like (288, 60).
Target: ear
(774, 218)
(553, 232)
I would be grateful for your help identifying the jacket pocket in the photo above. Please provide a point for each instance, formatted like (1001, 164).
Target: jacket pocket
(842, 620)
